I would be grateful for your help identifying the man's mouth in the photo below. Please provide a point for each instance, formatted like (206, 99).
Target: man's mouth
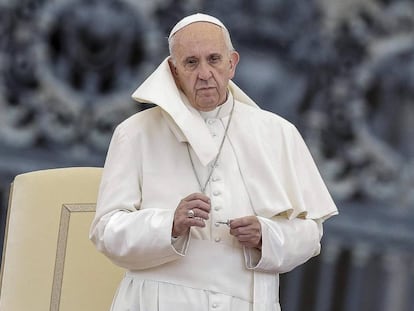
(205, 88)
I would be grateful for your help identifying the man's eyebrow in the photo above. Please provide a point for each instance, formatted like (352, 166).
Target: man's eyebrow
(189, 57)
(215, 55)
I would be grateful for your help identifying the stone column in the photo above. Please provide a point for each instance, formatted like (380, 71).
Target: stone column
(395, 281)
(329, 257)
(293, 290)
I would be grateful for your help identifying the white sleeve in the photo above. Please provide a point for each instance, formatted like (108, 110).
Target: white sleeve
(286, 244)
(131, 237)
(141, 239)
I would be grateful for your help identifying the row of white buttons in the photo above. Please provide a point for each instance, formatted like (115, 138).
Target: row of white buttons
(211, 122)
(216, 193)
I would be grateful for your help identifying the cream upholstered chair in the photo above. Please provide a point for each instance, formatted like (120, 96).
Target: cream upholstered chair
(48, 262)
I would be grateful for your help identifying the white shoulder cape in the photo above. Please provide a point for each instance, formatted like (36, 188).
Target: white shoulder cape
(280, 175)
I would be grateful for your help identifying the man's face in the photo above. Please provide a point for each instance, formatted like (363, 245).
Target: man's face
(203, 64)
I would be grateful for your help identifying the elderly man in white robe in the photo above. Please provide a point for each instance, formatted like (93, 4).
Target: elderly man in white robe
(205, 198)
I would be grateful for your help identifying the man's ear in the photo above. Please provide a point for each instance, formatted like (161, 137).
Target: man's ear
(172, 67)
(174, 72)
(234, 60)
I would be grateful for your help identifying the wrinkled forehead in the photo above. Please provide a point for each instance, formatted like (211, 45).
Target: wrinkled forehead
(199, 17)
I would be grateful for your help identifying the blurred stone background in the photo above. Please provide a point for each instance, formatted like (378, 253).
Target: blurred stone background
(341, 70)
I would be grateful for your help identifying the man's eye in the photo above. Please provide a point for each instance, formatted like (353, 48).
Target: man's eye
(215, 59)
(191, 62)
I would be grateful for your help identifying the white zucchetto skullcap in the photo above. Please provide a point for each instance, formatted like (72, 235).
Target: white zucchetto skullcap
(199, 17)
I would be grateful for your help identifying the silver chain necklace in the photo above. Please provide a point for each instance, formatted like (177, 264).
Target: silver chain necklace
(203, 188)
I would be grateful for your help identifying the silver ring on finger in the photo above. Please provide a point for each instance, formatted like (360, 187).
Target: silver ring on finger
(190, 213)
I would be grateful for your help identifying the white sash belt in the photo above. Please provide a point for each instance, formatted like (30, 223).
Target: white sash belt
(208, 266)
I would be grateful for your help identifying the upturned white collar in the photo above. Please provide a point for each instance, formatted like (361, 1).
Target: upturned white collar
(160, 89)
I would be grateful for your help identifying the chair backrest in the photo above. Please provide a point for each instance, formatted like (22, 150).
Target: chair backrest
(48, 261)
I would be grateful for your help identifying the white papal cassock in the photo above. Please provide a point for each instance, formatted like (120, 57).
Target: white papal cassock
(264, 169)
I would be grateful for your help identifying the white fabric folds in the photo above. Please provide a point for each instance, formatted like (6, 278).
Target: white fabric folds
(280, 175)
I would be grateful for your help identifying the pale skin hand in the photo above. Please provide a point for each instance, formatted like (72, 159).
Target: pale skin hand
(197, 202)
(247, 231)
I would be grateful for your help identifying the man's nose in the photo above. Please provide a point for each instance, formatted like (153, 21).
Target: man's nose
(204, 71)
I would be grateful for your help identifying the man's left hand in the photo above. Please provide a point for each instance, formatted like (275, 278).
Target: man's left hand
(247, 230)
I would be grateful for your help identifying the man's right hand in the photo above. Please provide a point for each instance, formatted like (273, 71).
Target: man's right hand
(199, 204)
